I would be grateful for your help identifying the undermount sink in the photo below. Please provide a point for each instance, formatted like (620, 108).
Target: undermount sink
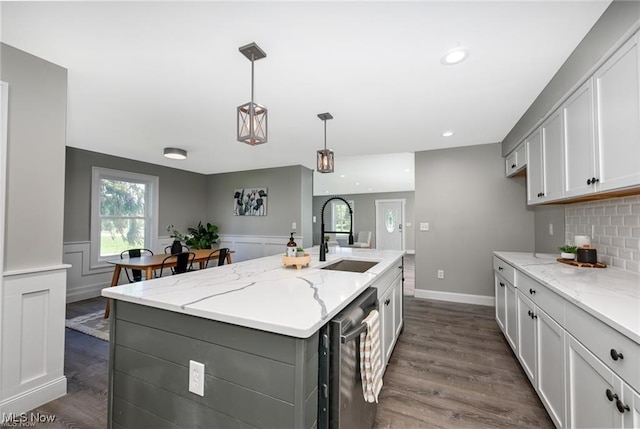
(350, 265)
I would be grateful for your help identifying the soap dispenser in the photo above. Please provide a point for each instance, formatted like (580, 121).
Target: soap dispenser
(291, 247)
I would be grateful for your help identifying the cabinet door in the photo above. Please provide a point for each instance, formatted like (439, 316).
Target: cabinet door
(551, 367)
(398, 315)
(588, 381)
(552, 145)
(386, 326)
(511, 305)
(500, 291)
(579, 142)
(534, 168)
(632, 415)
(527, 336)
(618, 118)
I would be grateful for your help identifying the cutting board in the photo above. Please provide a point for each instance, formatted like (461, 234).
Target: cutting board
(581, 264)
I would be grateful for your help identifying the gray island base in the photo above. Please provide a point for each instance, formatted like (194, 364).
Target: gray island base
(253, 379)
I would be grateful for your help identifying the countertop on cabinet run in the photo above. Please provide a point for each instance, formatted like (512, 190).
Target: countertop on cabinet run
(262, 293)
(609, 294)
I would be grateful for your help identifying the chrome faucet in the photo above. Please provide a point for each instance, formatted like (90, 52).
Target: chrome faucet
(323, 253)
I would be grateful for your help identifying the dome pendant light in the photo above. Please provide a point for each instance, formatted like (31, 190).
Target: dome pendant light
(252, 117)
(325, 156)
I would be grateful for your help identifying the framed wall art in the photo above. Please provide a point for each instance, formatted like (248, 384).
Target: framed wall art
(250, 202)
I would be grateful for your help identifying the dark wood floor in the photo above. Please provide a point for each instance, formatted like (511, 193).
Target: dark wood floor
(451, 368)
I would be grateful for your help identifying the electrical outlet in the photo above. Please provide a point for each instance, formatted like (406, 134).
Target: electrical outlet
(550, 229)
(424, 226)
(440, 274)
(196, 377)
(293, 225)
(314, 219)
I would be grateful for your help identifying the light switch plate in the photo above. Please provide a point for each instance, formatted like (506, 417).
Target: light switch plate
(293, 225)
(424, 226)
(196, 377)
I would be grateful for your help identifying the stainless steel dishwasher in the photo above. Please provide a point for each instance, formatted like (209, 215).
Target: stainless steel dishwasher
(341, 402)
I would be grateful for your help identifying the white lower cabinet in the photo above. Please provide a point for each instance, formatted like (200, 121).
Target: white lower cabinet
(501, 300)
(527, 336)
(594, 392)
(391, 312)
(551, 367)
(632, 399)
(511, 331)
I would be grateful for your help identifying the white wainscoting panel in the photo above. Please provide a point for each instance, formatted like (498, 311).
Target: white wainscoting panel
(32, 361)
(255, 246)
(84, 282)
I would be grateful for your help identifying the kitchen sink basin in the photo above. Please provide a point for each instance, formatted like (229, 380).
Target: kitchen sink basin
(350, 265)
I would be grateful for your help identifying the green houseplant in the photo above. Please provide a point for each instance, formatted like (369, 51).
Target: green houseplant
(202, 236)
(568, 251)
(299, 251)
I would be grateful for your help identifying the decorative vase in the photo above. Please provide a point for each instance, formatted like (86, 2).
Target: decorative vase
(176, 247)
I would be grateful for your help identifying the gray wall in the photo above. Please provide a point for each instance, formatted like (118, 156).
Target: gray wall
(619, 17)
(545, 215)
(285, 205)
(365, 214)
(182, 194)
(35, 159)
(472, 210)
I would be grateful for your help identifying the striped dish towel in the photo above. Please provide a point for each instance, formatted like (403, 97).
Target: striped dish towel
(370, 360)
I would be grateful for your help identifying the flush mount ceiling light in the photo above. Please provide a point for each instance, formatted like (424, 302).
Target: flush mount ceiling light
(455, 56)
(252, 117)
(175, 153)
(325, 156)
(447, 133)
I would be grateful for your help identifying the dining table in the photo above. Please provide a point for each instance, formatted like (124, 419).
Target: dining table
(149, 263)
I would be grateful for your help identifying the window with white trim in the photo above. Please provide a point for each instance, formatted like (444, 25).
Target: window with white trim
(124, 212)
(340, 218)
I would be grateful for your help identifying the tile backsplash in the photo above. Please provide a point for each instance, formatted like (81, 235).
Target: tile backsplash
(614, 228)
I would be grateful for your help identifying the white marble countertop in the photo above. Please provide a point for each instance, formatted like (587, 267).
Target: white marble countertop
(262, 293)
(609, 294)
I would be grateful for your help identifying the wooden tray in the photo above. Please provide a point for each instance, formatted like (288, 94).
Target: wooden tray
(297, 261)
(581, 264)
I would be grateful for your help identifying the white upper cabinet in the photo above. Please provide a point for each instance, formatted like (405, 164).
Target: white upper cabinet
(617, 86)
(579, 143)
(516, 161)
(544, 157)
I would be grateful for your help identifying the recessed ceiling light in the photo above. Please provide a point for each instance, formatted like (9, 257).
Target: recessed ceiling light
(370, 189)
(357, 183)
(447, 133)
(407, 170)
(342, 175)
(455, 56)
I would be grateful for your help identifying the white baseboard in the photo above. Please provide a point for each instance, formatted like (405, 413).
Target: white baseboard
(33, 398)
(462, 298)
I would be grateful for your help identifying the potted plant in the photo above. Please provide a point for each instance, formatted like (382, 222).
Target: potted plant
(202, 236)
(299, 251)
(178, 237)
(568, 252)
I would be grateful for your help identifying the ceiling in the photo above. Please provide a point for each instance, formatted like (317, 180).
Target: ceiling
(148, 75)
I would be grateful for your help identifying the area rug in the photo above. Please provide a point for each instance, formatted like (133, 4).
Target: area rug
(93, 324)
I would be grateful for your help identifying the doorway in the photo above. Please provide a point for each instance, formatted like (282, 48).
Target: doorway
(390, 224)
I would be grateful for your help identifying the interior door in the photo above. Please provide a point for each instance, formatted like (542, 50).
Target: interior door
(389, 221)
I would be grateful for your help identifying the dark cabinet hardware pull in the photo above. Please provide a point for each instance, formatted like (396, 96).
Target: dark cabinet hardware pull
(610, 395)
(501, 284)
(622, 407)
(500, 268)
(588, 181)
(615, 355)
(532, 291)
(532, 314)
(513, 166)
(387, 301)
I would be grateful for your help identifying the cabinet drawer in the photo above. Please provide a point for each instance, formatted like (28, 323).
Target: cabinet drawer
(386, 279)
(601, 340)
(550, 302)
(504, 269)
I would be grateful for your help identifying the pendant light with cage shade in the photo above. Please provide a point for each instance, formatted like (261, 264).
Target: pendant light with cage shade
(325, 156)
(252, 117)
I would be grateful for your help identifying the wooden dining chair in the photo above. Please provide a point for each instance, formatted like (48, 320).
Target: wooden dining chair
(136, 275)
(184, 262)
(222, 257)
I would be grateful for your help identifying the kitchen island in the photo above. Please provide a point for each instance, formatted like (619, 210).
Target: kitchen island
(254, 325)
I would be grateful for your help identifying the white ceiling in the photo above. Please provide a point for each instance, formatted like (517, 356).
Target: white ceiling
(149, 75)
